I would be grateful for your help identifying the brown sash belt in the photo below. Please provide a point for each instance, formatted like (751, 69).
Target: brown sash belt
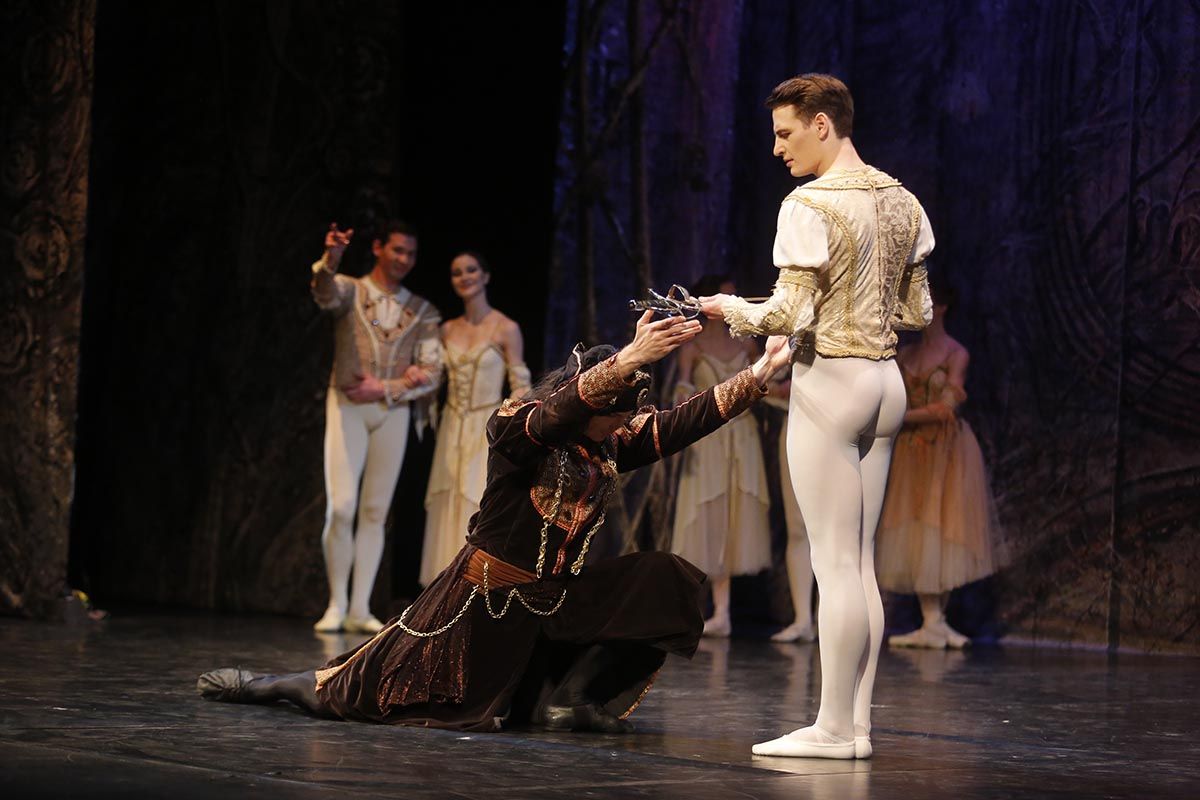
(500, 573)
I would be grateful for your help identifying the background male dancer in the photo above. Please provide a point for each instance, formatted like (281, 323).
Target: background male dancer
(387, 356)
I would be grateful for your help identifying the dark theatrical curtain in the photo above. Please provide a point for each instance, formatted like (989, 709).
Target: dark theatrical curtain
(226, 140)
(45, 105)
(1056, 147)
(227, 136)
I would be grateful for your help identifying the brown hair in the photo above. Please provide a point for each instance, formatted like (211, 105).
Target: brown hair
(813, 93)
(400, 226)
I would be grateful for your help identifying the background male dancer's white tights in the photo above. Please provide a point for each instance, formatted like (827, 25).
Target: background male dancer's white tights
(843, 417)
(363, 442)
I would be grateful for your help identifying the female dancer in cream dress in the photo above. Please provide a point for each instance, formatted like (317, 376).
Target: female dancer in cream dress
(482, 348)
(938, 529)
(722, 504)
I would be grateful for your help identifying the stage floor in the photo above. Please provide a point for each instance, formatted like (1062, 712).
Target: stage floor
(111, 711)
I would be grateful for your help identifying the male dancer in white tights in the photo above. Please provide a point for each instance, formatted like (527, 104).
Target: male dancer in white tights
(850, 248)
(386, 357)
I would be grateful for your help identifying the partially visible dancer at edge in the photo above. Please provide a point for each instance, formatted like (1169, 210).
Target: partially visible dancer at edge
(938, 530)
(797, 558)
(722, 506)
(850, 247)
(481, 349)
(519, 628)
(386, 367)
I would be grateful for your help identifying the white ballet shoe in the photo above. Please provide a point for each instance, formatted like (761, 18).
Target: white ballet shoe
(810, 742)
(367, 624)
(795, 632)
(332, 622)
(921, 637)
(718, 627)
(954, 639)
(862, 742)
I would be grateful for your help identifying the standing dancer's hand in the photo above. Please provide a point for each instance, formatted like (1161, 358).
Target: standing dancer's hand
(416, 376)
(713, 305)
(336, 242)
(654, 340)
(365, 388)
(778, 354)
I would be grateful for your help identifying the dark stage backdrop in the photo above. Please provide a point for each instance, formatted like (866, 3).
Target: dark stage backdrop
(45, 102)
(227, 135)
(1056, 147)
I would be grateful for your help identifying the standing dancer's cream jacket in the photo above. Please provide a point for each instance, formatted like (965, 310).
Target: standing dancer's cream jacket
(379, 333)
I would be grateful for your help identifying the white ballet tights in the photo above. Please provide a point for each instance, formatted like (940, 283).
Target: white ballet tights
(363, 442)
(843, 417)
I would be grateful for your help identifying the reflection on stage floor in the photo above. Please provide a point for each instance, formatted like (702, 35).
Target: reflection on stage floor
(111, 711)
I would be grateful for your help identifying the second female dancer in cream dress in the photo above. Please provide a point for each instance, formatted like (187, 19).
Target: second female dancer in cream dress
(722, 503)
(482, 349)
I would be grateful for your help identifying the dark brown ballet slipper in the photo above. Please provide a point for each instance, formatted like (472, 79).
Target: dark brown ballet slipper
(590, 717)
(227, 685)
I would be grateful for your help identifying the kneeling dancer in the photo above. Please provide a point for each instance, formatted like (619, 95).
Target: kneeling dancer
(516, 629)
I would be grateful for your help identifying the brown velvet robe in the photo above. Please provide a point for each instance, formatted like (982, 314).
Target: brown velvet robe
(483, 672)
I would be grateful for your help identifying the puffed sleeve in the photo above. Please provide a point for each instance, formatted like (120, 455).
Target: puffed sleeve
(801, 252)
(651, 434)
(519, 380)
(914, 304)
(330, 291)
(524, 431)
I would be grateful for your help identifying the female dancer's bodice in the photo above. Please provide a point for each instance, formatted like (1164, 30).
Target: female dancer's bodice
(475, 377)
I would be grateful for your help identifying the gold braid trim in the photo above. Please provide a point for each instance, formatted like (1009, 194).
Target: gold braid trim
(600, 385)
(867, 177)
(856, 352)
(642, 696)
(851, 246)
(323, 675)
(737, 394)
(511, 406)
(805, 278)
(635, 425)
(861, 184)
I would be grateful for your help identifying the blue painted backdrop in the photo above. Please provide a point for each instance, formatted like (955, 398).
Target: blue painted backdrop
(1055, 146)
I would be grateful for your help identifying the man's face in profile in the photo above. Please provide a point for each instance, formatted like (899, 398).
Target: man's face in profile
(796, 142)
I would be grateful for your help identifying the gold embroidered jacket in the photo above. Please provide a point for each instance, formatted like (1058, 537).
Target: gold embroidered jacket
(850, 247)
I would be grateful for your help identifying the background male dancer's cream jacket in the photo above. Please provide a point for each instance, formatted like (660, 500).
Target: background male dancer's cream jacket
(381, 333)
(841, 240)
